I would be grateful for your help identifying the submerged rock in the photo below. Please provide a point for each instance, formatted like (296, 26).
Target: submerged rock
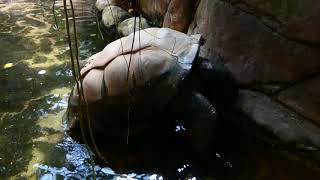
(113, 15)
(126, 27)
(289, 127)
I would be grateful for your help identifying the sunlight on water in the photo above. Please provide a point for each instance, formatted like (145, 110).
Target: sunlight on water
(36, 81)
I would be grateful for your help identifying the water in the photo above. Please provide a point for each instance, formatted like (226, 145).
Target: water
(35, 81)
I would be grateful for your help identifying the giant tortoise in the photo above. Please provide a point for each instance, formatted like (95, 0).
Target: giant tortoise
(136, 86)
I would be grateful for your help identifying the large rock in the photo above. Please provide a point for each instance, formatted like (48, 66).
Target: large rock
(179, 14)
(113, 15)
(296, 19)
(101, 4)
(126, 27)
(286, 125)
(304, 98)
(203, 23)
(252, 51)
(154, 9)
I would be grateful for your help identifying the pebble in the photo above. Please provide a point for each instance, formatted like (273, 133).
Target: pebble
(42, 72)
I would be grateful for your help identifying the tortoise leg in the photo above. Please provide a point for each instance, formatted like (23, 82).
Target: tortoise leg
(199, 117)
(203, 124)
(216, 83)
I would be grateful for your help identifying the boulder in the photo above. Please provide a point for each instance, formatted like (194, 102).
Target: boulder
(179, 14)
(113, 15)
(126, 27)
(203, 23)
(252, 51)
(289, 127)
(101, 4)
(295, 19)
(304, 98)
(154, 9)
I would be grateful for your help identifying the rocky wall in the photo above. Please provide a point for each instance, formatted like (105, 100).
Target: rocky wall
(272, 47)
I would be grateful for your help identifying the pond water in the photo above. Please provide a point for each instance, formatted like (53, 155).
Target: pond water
(35, 82)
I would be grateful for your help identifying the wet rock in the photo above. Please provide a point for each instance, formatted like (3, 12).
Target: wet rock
(296, 19)
(253, 52)
(113, 15)
(179, 14)
(101, 4)
(289, 127)
(127, 26)
(304, 98)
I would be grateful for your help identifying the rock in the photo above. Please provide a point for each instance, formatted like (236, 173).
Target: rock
(269, 89)
(304, 98)
(296, 19)
(203, 23)
(113, 15)
(154, 9)
(127, 26)
(179, 15)
(251, 50)
(101, 4)
(289, 127)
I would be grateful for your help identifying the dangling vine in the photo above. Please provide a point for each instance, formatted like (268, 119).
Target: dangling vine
(78, 79)
(83, 109)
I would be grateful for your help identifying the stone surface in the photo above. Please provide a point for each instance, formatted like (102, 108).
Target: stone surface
(179, 14)
(127, 26)
(269, 89)
(296, 19)
(304, 98)
(251, 50)
(289, 127)
(113, 15)
(203, 23)
(101, 4)
(153, 9)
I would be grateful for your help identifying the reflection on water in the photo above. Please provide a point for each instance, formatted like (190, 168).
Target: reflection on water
(35, 81)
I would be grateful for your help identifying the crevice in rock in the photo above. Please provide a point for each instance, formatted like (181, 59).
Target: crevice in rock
(273, 98)
(244, 7)
(298, 82)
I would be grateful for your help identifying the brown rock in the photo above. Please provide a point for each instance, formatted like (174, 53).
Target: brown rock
(289, 127)
(204, 23)
(304, 98)
(179, 15)
(152, 8)
(296, 19)
(252, 51)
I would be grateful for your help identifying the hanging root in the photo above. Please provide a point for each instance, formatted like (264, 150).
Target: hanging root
(83, 112)
(54, 14)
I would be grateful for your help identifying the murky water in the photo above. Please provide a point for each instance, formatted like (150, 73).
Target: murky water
(35, 81)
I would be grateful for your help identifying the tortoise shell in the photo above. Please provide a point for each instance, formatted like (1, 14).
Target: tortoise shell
(147, 67)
